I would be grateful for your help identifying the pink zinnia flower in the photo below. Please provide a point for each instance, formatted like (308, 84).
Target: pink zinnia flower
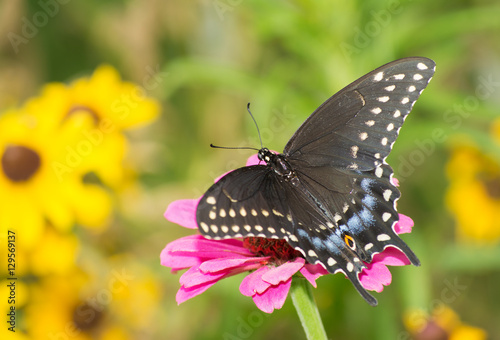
(272, 263)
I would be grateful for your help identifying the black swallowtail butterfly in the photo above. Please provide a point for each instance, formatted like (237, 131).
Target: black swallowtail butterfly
(329, 194)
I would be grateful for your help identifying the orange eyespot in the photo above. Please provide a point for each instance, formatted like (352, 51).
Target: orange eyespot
(350, 242)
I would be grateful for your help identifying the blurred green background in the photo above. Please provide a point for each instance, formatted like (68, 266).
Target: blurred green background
(212, 57)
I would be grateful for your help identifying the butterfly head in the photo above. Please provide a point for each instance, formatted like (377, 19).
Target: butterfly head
(265, 155)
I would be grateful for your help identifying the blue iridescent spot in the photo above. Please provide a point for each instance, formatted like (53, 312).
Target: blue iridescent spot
(366, 184)
(369, 201)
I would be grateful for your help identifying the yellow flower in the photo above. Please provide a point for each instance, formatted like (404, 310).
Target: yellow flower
(44, 260)
(113, 106)
(57, 311)
(118, 302)
(474, 195)
(443, 323)
(32, 189)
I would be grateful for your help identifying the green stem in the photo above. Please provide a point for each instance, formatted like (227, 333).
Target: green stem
(305, 305)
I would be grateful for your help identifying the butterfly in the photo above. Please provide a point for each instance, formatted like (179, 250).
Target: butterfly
(330, 193)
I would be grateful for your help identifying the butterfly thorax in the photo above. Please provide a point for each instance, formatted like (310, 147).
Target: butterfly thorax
(279, 164)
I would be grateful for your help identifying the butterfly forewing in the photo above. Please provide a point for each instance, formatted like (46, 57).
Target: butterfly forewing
(340, 209)
(246, 202)
(356, 127)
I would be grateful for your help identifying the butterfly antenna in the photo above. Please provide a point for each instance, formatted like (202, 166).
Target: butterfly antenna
(233, 148)
(257, 126)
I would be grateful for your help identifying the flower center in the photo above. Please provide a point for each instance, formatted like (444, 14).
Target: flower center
(432, 331)
(492, 186)
(20, 163)
(277, 249)
(87, 317)
(77, 108)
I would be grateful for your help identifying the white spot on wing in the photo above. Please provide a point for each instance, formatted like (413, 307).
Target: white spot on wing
(265, 212)
(376, 110)
(235, 228)
(417, 76)
(386, 216)
(211, 200)
(232, 213)
(224, 229)
(212, 215)
(390, 127)
(331, 262)
(405, 100)
(387, 194)
(384, 141)
(370, 122)
(383, 99)
(397, 114)
(368, 246)
(312, 253)
(379, 172)
(350, 266)
(390, 88)
(379, 76)
(422, 66)
(222, 213)
(277, 213)
(214, 228)
(400, 76)
(383, 237)
(363, 135)
(411, 88)
(243, 212)
(354, 151)
(204, 226)
(258, 227)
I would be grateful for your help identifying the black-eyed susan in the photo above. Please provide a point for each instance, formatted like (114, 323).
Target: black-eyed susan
(34, 190)
(442, 324)
(58, 309)
(474, 194)
(113, 106)
(43, 260)
(117, 301)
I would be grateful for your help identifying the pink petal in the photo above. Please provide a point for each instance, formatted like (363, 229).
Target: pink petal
(375, 277)
(312, 272)
(395, 181)
(391, 256)
(273, 298)
(198, 246)
(183, 212)
(225, 264)
(404, 225)
(253, 282)
(194, 277)
(178, 262)
(284, 272)
(184, 294)
(253, 160)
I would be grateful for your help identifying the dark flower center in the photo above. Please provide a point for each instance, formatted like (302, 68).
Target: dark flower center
(83, 109)
(492, 186)
(87, 317)
(20, 163)
(278, 249)
(432, 331)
